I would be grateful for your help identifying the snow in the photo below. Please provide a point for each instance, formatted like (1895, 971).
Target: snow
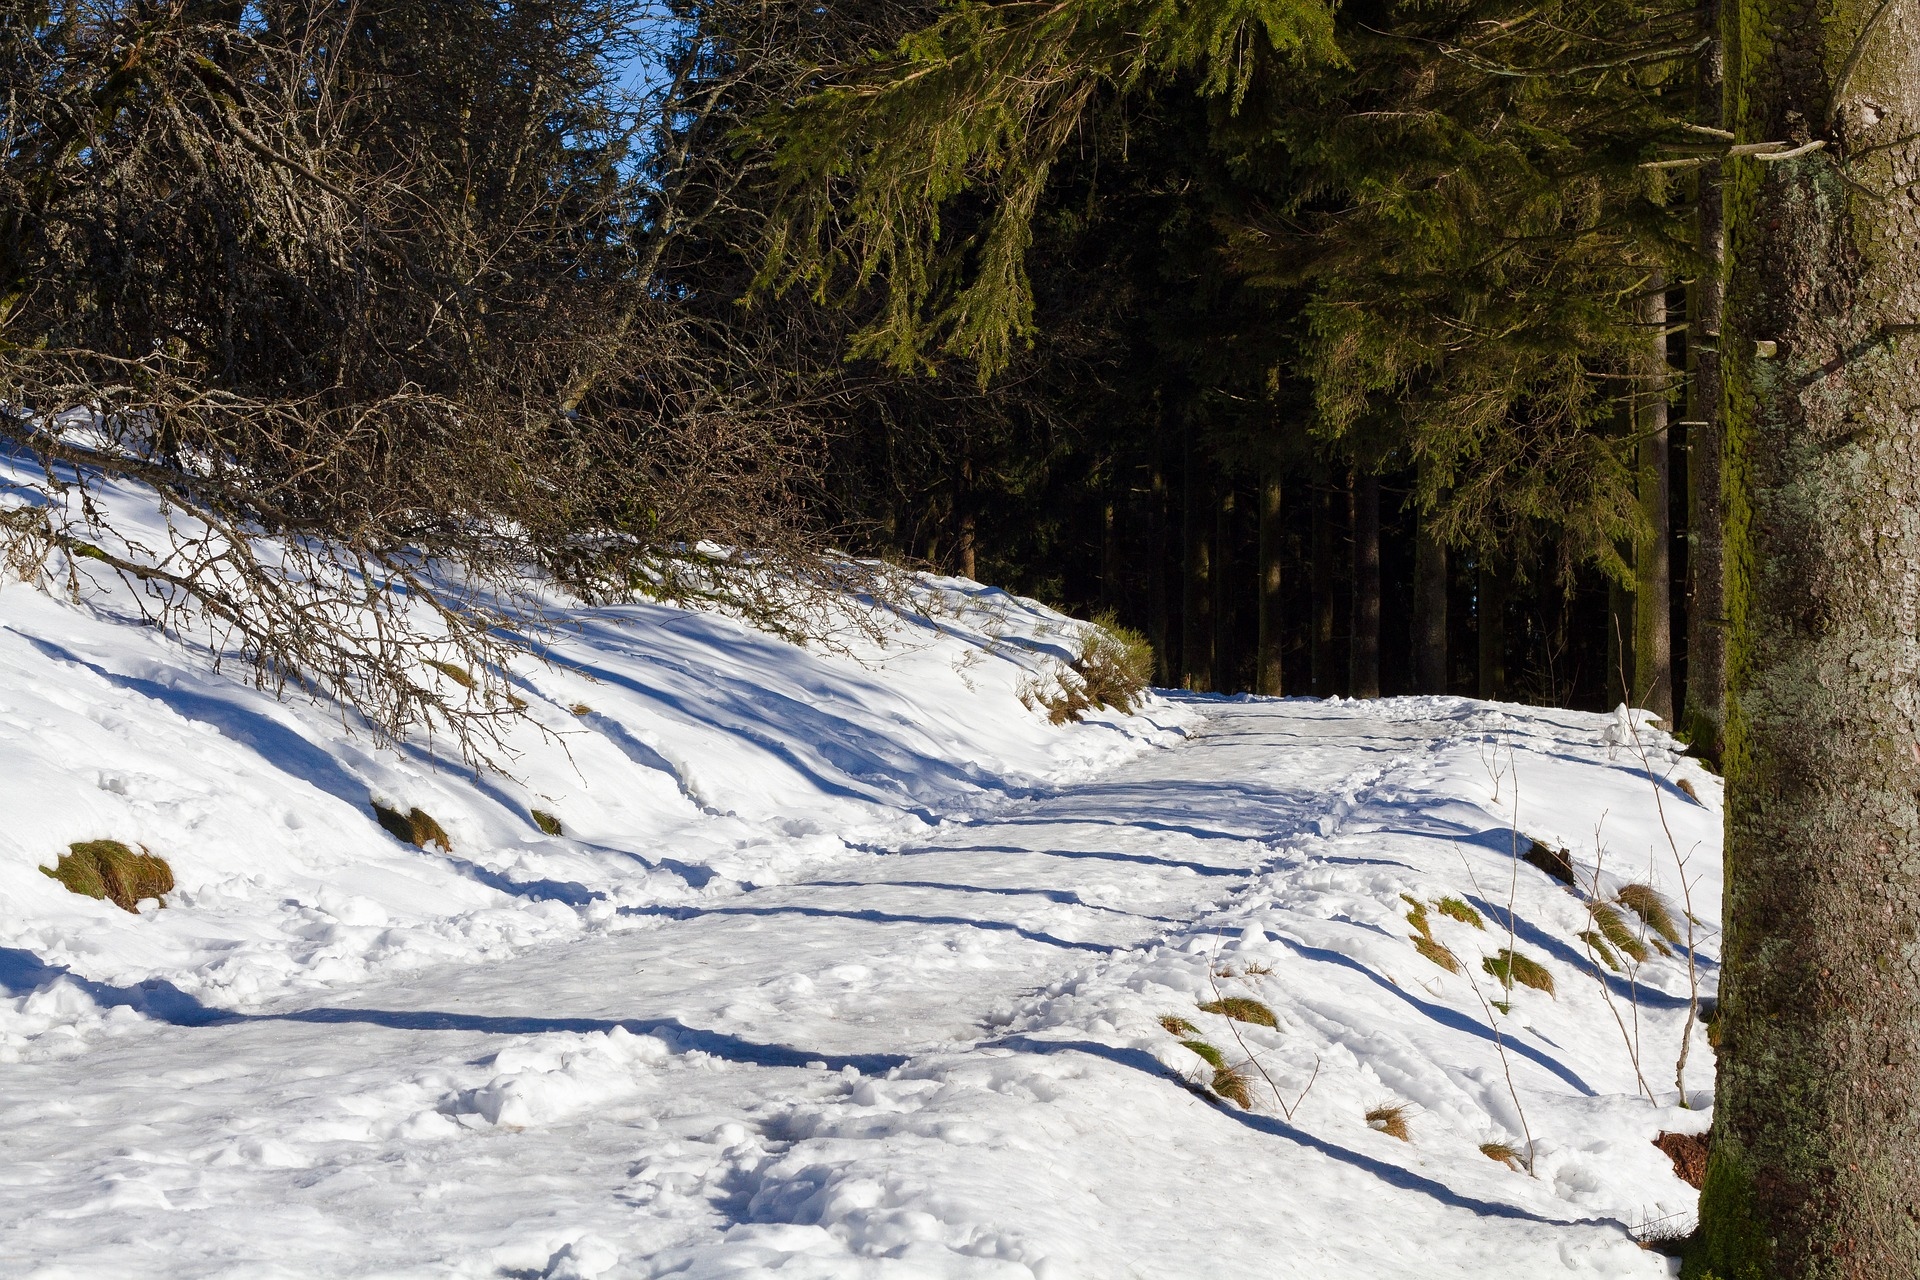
(846, 964)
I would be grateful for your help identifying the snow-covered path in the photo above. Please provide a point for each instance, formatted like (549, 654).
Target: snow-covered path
(938, 1060)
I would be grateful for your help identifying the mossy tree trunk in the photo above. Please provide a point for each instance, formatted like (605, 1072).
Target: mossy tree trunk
(1706, 574)
(1815, 1168)
(1363, 653)
(1652, 552)
(1272, 615)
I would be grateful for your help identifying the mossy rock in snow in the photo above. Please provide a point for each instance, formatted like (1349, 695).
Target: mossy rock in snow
(416, 827)
(108, 869)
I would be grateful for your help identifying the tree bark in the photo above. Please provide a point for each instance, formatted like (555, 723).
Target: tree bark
(965, 553)
(1320, 647)
(1196, 595)
(1490, 621)
(1705, 710)
(1652, 553)
(1815, 1165)
(1267, 672)
(1429, 609)
(1224, 657)
(1159, 625)
(1619, 642)
(1363, 652)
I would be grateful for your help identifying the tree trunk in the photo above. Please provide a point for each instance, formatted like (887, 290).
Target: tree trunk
(1705, 710)
(1363, 652)
(1652, 553)
(1490, 620)
(1619, 641)
(1429, 609)
(1196, 595)
(1159, 626)
(1272, 617)
(1320, 646)
(1815, 1165)
(965, 556)
(1224, 657)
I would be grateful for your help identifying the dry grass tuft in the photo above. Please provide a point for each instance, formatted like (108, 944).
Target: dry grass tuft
(459, 675)
(415, 827)
(1505, 1154)
(1418, 917)
(1438, 954)
(1511, 967)
(1600, 948)
(108, 869)
(1232, 1084)
(1455, 909)
(1112, 671)
(1207, 1053)
(581, 709)
(1616, 931)
(1557, 863)
(547, 822)
(1177, 1025)
(1390, 1119)
(1645, 903)
(1241, 1009)
(1691, 794)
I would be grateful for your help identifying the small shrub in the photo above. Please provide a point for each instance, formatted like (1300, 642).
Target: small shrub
(547, 822)
(1600, 948)
(1688, 1151)
(1691, 794)
(459, 675)
(1557, 863)
(415, 827)
(1210, 1055)
(1458, 910)
(108, 869)
(1241, 1009)
(1511, 967)
(1617, 932)
(1232, 1084)
(1177, 1025)
(1438, 954)
(1645, 903)
(1390, 1119)
(1505, 1154)
(1115, 664)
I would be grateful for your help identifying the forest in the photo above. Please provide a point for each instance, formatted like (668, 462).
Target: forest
(1540, 351)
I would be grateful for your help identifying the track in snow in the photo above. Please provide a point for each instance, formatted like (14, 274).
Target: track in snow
(706, 1091)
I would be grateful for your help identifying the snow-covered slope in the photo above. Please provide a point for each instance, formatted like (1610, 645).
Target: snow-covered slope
(844, 965)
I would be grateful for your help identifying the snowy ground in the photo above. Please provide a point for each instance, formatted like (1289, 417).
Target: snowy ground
(844, 966)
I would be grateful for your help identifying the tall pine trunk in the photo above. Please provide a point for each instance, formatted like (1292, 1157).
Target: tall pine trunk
(1653, 550)
(1320, 647)
(1429, 607)
(1815, 1165)
(1272, 619)
(1159, 628)
(1363, 653)
(1490, 620)
(1196, 581)
(1225, 659)
(1705, 711)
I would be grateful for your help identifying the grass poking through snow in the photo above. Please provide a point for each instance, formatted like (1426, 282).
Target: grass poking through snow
(1390, 1119)
(1241, 1009)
